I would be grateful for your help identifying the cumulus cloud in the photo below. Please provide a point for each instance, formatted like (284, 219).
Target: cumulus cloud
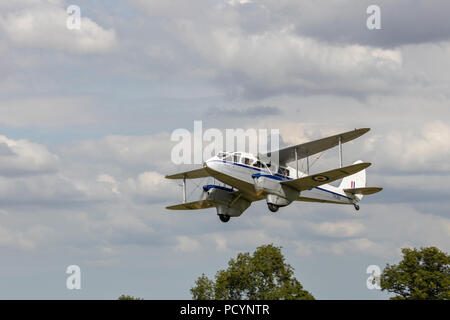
(42, 24)
(283, 62)
(339, 229)
(149, 186)
(402, 22)
(275, 59)
(28, 239)
(186, 244)
(426, 149)
(21, 157)
(146, 150)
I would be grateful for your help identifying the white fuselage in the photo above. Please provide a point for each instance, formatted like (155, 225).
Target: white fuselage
(239, 175)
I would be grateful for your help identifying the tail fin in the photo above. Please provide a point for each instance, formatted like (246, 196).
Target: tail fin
(357, 180)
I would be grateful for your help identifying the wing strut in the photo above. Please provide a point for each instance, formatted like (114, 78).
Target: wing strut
(340, 152)
(307, 166)
(296, 164)
(184, 188)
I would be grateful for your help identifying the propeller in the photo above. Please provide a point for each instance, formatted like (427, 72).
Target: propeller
(258, 189)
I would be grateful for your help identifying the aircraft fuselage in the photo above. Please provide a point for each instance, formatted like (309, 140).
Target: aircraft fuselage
(240, 175)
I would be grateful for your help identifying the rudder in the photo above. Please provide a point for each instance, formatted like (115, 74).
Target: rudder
(357, 180)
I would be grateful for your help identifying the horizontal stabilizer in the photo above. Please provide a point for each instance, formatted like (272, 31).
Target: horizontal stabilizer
(193, 174)
(316, 180)
(363, 191)
(194, 205)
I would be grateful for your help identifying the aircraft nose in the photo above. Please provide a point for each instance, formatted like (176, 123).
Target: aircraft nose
(209, 164)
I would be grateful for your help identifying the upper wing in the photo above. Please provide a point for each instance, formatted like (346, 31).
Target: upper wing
(363, 191)
(304, 150)
(316, 180)
(193, 174)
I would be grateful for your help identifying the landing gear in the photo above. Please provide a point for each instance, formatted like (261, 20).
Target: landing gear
(224, 217)
(356, 206)
(273, 207)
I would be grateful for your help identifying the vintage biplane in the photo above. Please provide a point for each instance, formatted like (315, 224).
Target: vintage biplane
(250, 178)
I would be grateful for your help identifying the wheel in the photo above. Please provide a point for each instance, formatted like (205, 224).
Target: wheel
(356, 207)
(273, 207)
(224, 218)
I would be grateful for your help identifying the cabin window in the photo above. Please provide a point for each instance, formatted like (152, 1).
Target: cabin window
(236, 158)
(257, 164)
(228, 158)
(283, 171)
(221, 155)
(246, 161)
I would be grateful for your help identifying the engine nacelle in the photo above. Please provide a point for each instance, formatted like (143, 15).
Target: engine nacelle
(277, 200)
(227, 202)
(276, 193)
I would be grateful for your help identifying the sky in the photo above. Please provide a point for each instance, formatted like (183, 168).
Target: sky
(86, 118)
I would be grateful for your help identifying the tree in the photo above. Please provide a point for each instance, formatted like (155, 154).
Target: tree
(422, 274)
(263, 275)
(127, 297)
(203, 289)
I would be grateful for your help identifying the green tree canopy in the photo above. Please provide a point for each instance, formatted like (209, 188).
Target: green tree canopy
(127, 297)
(263, 275)
(422, 274)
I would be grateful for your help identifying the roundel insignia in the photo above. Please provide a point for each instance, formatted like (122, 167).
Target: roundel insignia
(320, 178)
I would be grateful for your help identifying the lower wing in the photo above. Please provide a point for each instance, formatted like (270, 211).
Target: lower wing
(194, 205)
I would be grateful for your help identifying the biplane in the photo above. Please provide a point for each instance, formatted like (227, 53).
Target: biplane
(248, 178)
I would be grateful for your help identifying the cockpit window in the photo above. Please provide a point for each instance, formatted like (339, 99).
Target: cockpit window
(257, 164)
(283, 171)
(221, 155)
(236, 157)
(246, 161)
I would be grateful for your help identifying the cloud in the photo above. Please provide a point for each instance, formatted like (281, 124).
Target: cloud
(250, 112)
(25, 240)
(239, 2)
(403, 22)
(50, 112)
(149, 186)
(186, 244)
(42, 25)
(339, 229)
(255, 62)
(33, 175)
(352, 246)
(282, 62)
(145, 151)
(426, 149)
(22, 157)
